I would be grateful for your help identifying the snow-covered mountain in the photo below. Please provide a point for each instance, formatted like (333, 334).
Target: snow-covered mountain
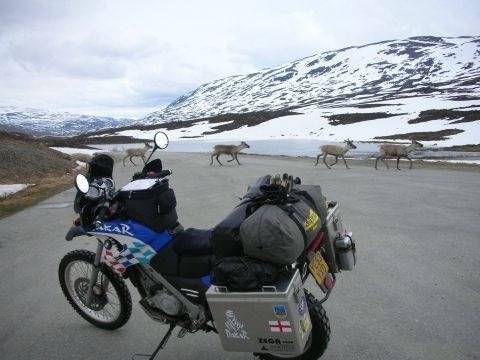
(417, 66)
(40, 122)
(426, 88)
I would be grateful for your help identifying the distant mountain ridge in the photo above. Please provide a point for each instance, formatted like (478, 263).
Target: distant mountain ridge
(41, 122)
(416, 66)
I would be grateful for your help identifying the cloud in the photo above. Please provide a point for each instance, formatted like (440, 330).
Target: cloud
(115, 54)
(16, 13)
(67, 58)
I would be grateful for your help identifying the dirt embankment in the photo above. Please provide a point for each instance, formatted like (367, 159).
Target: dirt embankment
(26, 161)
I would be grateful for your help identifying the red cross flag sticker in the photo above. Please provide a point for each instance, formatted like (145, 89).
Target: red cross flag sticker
(280, 326)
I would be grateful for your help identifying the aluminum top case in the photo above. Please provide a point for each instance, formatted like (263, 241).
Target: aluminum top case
(274, 320)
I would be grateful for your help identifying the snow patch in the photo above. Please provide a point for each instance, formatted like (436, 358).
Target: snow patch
(313, 124)
(70, 151)
(7, 190)
(455, 161)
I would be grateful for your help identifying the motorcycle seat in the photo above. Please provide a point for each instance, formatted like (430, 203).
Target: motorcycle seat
(194, 242)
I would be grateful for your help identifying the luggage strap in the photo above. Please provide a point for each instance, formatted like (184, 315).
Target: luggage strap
(290, 211)
(308, 199)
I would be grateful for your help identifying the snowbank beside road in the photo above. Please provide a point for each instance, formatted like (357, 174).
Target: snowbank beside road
(69, 150)
(455, 161)
(7, 190)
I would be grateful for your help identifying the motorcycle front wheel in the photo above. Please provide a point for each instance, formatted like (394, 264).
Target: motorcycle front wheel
(319, 337)
(111, 304)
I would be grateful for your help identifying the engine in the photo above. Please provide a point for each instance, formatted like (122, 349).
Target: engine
(166, 302)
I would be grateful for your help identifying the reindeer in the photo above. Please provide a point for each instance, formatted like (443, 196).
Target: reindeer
(81, 157)
(232, 150)
(396, 151)
(336, 151)
(140, 152)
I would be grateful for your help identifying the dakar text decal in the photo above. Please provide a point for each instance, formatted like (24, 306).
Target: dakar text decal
(122, 229)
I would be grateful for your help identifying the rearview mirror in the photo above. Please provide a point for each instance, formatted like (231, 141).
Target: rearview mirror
(161, 140)
(81, 183)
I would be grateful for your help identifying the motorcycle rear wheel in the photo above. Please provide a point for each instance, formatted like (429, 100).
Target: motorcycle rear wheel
(319, 337)
(111, 306)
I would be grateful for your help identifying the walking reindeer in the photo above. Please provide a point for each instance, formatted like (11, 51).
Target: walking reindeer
(396, 151)
(232, 150)
(336, 151)
(140, 152)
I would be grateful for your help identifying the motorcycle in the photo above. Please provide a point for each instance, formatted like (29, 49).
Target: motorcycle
(278, 320)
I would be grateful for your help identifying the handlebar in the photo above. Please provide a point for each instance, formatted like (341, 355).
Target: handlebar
(152, 174)
(164, 173)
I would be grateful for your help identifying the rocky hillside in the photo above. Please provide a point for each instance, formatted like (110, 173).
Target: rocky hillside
(22, 160)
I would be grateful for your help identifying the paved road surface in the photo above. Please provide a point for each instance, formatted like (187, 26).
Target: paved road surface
(415, 293)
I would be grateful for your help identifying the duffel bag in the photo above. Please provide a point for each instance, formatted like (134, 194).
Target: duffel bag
(280, 233)
(313, 194)
(225, 238)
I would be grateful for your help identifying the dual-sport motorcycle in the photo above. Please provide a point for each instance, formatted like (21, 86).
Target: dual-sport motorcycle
(171, 268)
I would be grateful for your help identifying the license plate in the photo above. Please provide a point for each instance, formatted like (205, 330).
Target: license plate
(318, 268)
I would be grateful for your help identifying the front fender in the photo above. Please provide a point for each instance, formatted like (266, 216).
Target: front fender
(74, 232)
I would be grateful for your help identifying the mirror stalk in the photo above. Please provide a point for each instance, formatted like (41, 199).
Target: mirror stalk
(161, 142)
(155, 147)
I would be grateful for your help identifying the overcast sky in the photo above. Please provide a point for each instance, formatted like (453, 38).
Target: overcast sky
(128, 58)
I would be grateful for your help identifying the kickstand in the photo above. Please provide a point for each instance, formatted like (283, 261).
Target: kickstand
(163, 342)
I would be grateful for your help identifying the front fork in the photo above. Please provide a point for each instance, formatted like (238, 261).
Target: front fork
(94, 275)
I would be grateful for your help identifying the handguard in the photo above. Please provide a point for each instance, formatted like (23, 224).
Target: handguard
(74, 232)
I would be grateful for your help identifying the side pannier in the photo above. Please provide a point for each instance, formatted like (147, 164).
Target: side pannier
(151, 202)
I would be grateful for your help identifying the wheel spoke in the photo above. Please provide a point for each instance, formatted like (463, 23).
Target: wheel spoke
(108, 312)
(77, 278)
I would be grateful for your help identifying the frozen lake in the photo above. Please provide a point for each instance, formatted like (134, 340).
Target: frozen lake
(290, 147)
